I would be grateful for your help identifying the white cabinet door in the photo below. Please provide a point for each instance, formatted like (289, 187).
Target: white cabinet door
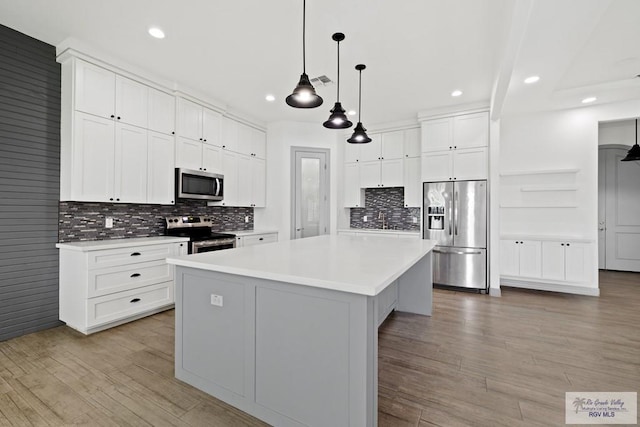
(351, 152)
(530, 259)
(392, 145)
(412, 143)
(370, 174)
(211, 158)
(577, 262)
(412, 183)
(94, 90)
(160, 171)
(211, 127)
(258, 144)
(132, 100)
(230, 171)
(245, 137)
(131, 164)
(188, 154)
(352, 185)
(258, 182)
(470, 163)
(245, 181)
(471, 130)
(437, 135)
(162, 112)
(372, 150)
(94, 158)
(189, 120)
(553, 260)
(229, 134)
(509, 258)
(436, 166)
(391, 173)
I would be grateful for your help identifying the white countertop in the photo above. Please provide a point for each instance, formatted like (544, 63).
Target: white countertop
(379, 230)
(345, 263)
(241, 233)
(96, 245)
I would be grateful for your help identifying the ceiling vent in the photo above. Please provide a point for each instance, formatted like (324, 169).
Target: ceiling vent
(321, 80)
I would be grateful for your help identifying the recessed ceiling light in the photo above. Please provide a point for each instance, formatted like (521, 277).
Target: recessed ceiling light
(589, 100)
(270, 98)
(352, 112)
(156, 32)
(531, 79)
(456, 93)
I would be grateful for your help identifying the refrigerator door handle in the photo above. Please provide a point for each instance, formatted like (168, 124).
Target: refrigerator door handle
(455, 213)
(438, 251)
(450, 216)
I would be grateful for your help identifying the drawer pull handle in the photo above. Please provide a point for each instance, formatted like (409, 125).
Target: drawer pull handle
(135, 300)
(262, 238)
(136, 254)
(135, 275)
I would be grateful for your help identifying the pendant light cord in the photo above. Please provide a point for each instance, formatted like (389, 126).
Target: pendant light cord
(304, 14)
(360, 96)
(338, 95)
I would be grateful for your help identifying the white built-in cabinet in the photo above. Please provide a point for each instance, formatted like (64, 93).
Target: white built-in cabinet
(110, 126)
(389, 160)
(254, 239)
(541, 263)
(455, 148)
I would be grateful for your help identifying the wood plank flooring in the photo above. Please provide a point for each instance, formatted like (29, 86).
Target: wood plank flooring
(479, 361)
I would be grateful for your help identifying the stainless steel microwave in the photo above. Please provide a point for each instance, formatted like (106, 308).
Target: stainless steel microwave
(193, 184)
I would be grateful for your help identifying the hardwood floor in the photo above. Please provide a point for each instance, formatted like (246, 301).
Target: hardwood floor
(478, 361)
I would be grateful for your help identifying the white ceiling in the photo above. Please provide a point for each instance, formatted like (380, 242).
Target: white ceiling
(416, 51)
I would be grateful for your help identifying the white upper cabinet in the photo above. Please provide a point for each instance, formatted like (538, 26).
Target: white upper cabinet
(451, 133)
(245, 139)
(412, 182)
(352, 153)
(161, 112)
(197, 155)
(258, 144)
(130, 164)
(132, 100)
(229, 139)
(258, 182)
(160, 173)
(392, 145)
(198, 123)
(95, 90)
(371, 150)
(412, 143)
(352, 192)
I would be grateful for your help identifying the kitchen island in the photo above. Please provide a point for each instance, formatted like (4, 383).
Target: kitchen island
(287, 331)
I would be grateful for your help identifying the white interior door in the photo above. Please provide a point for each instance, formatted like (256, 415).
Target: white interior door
(622, 225)
(602, 203)
(310, 199)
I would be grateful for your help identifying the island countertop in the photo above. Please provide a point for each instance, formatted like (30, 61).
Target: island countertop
(354, 264)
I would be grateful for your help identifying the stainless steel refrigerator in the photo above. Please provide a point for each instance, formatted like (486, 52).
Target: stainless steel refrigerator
(455, 216)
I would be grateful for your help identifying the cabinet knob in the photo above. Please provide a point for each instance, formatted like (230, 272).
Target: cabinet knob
(181, 244)
(568, 244)
(262, 238)
(133, 301)
(449, 147)
(205, 140)
(204, 169)
(224, 146)
(200, 168)
(112, 116)
(561, 244)
(173, 133)
(454, 178)
(381, 158)
(118, 117)
(111, 199)
(455, 147)
(117, 200)
(172, 202)
(136, 275)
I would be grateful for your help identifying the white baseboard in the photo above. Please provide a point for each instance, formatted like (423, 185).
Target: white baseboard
(553, 287)
(495, 292)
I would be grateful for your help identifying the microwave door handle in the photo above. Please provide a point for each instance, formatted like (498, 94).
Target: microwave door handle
(217, 186)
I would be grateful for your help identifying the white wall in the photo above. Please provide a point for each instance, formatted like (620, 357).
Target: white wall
(617, 133)
(281, 136)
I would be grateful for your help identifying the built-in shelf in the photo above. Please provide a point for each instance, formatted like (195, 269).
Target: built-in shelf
(528, 188)
(540, 172)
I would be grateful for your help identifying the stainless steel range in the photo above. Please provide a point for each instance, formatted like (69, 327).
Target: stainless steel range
(198, 230)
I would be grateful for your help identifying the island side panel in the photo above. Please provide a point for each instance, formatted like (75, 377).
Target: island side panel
(415, 288)
(314, 350)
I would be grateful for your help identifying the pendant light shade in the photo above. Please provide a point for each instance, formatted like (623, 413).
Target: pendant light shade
(634, 152)
(338, 118)
(304, 95)
(359, 132)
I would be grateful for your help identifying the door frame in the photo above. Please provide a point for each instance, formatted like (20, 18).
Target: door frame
(325, 211)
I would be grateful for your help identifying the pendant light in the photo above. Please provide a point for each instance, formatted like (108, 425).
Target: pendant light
(359, 132)
(634, 152)
(338, 118)
(304, 95)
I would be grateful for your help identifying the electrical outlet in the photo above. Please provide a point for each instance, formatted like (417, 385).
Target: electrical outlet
(364, 218)
(108, 222)
(415, 220)
(246, 218)
(216, 300)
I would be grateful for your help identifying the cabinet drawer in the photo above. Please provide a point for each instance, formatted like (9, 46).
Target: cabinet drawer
(117, 279)
(129, 255)
(120, 305)
(259, 239)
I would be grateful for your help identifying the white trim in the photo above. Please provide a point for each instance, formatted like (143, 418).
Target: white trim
(495, 292)
(455, 110)
(547, 237)
(539, 172)
(553, 287)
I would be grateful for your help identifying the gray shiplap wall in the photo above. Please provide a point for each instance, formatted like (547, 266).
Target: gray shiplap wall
(29, 184)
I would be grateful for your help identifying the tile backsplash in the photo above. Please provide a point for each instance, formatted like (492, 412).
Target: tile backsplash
(85, 221)
(390, 202)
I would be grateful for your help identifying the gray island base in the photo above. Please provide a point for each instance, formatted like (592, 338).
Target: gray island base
(287, 332)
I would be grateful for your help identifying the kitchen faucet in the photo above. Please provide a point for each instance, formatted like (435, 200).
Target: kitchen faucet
(385, 223)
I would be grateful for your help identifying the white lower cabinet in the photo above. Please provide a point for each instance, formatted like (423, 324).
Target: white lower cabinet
(256, 239)
(555, 265)
(101, 288)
